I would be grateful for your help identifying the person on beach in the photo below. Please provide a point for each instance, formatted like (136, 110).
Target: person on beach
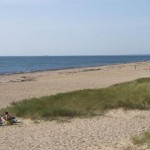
(135, 67)
(7, 119)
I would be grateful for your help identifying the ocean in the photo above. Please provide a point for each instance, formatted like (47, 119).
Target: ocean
(22, 64)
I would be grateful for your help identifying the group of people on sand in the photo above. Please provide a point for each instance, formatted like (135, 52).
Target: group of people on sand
(7, 119)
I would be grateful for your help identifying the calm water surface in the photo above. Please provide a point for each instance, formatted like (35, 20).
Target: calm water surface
(10, 65)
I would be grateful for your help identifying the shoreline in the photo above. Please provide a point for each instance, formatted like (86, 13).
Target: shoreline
(70, 68)
(16, 87)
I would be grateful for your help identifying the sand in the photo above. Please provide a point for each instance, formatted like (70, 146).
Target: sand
(109, 132)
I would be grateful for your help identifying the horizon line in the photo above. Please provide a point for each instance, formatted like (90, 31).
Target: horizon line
(71, 55)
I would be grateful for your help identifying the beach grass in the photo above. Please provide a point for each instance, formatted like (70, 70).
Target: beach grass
(130, 95)
(142, 139)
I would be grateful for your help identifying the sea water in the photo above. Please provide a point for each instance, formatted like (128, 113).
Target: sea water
(21, 64)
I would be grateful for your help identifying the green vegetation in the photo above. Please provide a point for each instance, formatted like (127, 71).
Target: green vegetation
(142, 139)
(128, 148)
(131, 95)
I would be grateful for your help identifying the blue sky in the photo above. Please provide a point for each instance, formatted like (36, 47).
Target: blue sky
(74, 27)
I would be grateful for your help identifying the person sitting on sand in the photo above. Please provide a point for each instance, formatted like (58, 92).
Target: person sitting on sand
(7, 118)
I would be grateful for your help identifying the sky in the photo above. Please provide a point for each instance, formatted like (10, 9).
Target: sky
(74, 27)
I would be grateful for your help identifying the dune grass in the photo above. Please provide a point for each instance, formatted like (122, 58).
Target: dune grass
(142, 139)
(130, 95)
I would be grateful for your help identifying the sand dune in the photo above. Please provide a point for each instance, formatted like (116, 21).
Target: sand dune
(109, 132)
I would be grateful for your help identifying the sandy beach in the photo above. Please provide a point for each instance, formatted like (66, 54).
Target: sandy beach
(109, 132)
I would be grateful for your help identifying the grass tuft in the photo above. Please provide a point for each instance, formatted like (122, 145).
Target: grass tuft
(142, 139)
